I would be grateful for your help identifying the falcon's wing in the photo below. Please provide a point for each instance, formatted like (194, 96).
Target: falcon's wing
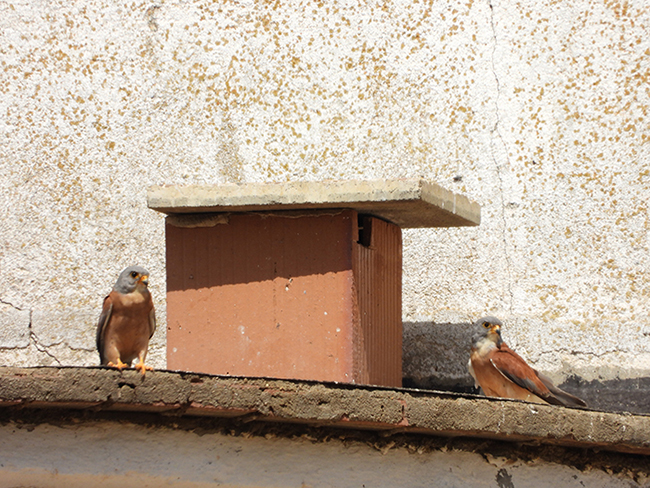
(152, 322)
(105, 316)
(514, 368)
(470, 368)
(566, 398)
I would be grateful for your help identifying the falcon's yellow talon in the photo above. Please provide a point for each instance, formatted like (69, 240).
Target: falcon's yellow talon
(143, 368)
(120, 365)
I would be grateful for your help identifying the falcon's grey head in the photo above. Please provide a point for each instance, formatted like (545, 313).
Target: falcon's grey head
(131, 278)
(489, 327)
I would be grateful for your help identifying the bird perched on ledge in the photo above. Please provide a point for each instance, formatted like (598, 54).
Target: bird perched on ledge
(501, 372)
(127, 321)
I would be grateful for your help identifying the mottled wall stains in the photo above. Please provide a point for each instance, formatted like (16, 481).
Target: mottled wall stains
(537, 110)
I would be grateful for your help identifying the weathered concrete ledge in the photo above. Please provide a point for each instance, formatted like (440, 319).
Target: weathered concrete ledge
(406, 203)
(319, 404)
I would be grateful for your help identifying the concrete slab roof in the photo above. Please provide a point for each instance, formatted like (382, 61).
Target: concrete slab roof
(406, 203)
(385, 410)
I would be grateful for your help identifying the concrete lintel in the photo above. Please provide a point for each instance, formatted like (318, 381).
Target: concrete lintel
(321, 404)
(406, 203)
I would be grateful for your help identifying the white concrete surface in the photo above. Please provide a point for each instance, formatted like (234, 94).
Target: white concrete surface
(537, 111)
(408, 203)
(117, 454)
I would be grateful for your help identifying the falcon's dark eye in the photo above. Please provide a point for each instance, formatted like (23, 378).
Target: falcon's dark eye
(134, 274)
(486, 325)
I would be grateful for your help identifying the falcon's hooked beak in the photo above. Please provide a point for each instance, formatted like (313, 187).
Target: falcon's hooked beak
(495, 329)
(144, 279)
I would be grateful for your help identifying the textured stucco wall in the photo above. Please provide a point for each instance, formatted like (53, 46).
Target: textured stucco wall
(537, 110)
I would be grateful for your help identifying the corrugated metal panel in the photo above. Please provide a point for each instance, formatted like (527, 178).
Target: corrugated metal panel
(377, 265)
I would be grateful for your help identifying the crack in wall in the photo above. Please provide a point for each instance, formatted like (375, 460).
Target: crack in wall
(39, 347)
(573, 352)
(4, 302)
(34, 339)
(42, 348)
(495, 132)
